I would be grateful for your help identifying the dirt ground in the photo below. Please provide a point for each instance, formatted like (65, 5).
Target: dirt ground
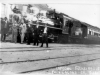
(62, 59)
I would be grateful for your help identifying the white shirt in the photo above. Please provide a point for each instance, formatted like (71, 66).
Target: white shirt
(5, 23)
(45, 30)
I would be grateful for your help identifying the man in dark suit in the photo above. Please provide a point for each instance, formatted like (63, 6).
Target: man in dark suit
(45, 36)
(29, 33)
(36, 35)
(4, 28)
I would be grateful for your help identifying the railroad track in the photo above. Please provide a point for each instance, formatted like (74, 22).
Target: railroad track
(58, 60)
(22, 49)
(48, 58)
(43, 69)
(93, 56)
(71, 63)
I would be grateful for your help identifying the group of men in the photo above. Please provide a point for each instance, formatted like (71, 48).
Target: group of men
(24, 32)
(18, 30)
(44, 35)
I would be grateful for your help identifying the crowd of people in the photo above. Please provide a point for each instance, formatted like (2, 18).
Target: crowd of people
(23, 32)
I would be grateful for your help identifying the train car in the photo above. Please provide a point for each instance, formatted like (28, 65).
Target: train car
(69, 30)
(74, 31)
(92, 35)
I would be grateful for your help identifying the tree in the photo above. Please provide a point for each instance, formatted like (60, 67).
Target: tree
(16, 10)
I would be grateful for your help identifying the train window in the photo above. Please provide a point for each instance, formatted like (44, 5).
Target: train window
(67, 25)
(78, 31)
(95, 34)
(90, 32)
(99, 35)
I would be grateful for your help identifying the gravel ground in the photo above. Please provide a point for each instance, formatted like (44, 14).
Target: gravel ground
(62, 59)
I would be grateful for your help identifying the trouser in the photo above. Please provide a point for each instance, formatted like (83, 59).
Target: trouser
(22, 37)
(44, 39)
(36, 40)
(29, 38)
(3, 37)
(14, 37)
(3, 34)
(18, 38)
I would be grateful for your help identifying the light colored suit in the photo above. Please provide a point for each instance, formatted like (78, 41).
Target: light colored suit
(14, 32)
(23, 31)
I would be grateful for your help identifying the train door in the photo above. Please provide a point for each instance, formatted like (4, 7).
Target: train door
(84, 30)
(67, 25)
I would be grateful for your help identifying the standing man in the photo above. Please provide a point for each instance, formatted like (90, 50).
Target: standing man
(45, 37)
(36, 35)
(19, 33)
(14, 32)
(23, 31)
(29, 33)
(4, 28)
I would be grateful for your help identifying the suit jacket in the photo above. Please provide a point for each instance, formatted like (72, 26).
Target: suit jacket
(29, 30)
(47, 30)
(36, 31)
(4, 26)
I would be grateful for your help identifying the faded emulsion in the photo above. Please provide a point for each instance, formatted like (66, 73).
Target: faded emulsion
(36, 38)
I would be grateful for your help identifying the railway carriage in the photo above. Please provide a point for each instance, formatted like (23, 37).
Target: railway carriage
(92, 34)
(69, 30)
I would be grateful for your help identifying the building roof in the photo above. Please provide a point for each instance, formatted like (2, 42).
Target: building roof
(88, 25)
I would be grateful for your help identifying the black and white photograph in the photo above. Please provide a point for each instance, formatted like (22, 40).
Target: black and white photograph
(49, 37)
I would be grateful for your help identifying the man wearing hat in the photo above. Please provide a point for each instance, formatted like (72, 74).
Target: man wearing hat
(36, 34)
(29, 33)
(23, 31)
(14, 32)
(4, 28)
(44, 36)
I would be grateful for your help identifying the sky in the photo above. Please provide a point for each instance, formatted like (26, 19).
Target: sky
(84, 10)
(89, 13)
